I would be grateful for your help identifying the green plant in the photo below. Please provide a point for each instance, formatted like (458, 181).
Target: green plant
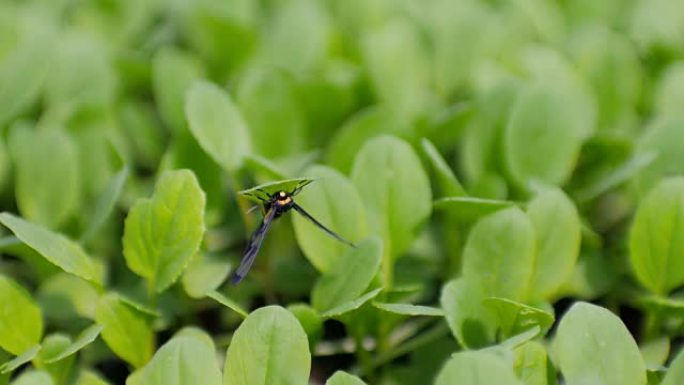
(510, 172)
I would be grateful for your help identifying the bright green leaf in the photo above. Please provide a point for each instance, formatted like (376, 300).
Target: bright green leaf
(33, 378)
(515, 317)
(227, 302)
(343, 378)
(258, 194)
(86, 337)
(352, 305)
(19, 360)
(472, 323)
(21, 323)
(269, 348)
(408, 309)
(665, 138)
(477, 368)
(106, 203)
(531, 364)
(593, 346)
(446, 180)
(204, 274)
(469, 209)
(310, 320)
(217, 124)
(64, 296)
(183, 361)
(163, 233)
(675, 374)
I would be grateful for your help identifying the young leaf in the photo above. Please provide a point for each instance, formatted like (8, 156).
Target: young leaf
(335, 202)
(664, 138)
(84, 339)
(675, 374)
(53, 345)
(352, 305)
(21, 323)
(19, 360)
(656, 247)
(269, 348)
(183, 360)
(515, 317)
(557, 228)
(473, 324)
(395, 190)
(64, 296)
(344, 378)
(33, 377)
(408, 309)
(204, 274)
(470, 209)
(446, 180)
(531, 364)
(163, 233)
(349, 277)
(227, 302)
(217, 124)
(477, 368)
(592, 345)
(105, 203)
(125, 330)
(56, 248)
(310, 320)
(499, 254)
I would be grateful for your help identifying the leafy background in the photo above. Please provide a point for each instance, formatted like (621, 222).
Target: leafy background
(511, 171)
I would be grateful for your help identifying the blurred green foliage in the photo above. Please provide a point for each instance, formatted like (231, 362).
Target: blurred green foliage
(499, 164)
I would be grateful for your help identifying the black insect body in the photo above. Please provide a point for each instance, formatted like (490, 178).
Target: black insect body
(275, 205)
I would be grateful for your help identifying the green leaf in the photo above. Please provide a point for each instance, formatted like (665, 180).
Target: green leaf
(217, 124)
(343, 378)
(106, 203)
(56, 248)
(655, 351)
(19, 360)
(656, 247)
(204, 274)
(336, 203)
(163, 233)
(395, 190)
(665, 138)
(33, 377)
(64, 296)
(84, 339)
(472, 323)
(544, 119)
(515, 317)
(557, 228)
(670, 90)
(352, 305)
(470, 209)
(593, 346)
(310, 320)
(675, 374)
(269, 348)
(359, 128)
(349, 277)
(183, 361)
(499, 254)
(173, 72)
(449, 185)
(53, 345)
(47, 175)
(269, 102)
(90, 378)
(408, 309)
(21, 323)
(258, 193)
(532, 365)
(476, 368)
(227, 302)
(125, 330)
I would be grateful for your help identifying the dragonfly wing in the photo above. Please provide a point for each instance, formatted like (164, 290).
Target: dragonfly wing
(313, 220)
(253, 247)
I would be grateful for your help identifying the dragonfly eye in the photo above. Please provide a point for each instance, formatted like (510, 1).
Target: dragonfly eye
(282, 196)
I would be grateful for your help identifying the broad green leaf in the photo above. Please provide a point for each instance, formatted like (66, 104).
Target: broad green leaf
(477, 368)
(352, 305)
(470, 209)
(670, 90)
(164, 232)
(90, 378)
(675, 374)
(217, 124)
(23, 72)
(258, 194)
(334, 201)
(33, 377)
(19, 360)
(557, 228)
(532, 365)
(515, 317)
(86, 337)
(408, 309)
(655, 26)
(656, 247)
(449, 185)
(106, 203)
(56, 248)
(544, 119)
(395, 190)
(310, 320)
(173, 72)
(343, 378)
(21, 322)
(655, 351)
(499, 254)
(593, 346)
(227, 302)
(64, 296)
(125, 330)
(349, 277)
(359, 128)
(269, 348)
(665, 138)
(470, 321)
(621, 174)
(204, 274)
(269, 102)
(47, 175)
(672, 306)
(53, 345)
(183, 361)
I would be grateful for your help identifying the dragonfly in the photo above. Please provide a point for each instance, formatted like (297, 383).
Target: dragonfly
(275, 200)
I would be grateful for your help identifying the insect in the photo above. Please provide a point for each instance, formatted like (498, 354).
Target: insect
(275, 199)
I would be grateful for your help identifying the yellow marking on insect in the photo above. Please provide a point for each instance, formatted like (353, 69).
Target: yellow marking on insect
(285, 201)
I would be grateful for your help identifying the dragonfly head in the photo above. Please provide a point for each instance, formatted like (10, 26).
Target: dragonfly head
(283, 199)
